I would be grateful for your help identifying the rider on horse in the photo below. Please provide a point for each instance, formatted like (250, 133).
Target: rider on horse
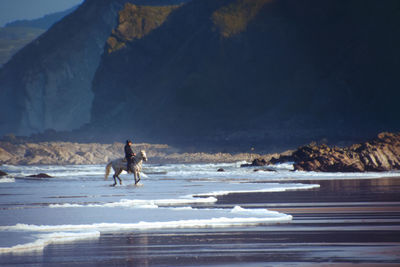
(129, 155)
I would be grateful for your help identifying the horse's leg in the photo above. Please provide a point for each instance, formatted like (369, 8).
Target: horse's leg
(115, 181)
(120, 181)
(116, 175)
(137, 177)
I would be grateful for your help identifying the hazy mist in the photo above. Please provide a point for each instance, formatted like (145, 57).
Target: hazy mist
(11, 10)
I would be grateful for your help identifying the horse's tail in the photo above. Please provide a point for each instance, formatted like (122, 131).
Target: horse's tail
(108, 167)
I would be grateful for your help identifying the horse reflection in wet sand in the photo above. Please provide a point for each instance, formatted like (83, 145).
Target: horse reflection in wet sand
(120, 165)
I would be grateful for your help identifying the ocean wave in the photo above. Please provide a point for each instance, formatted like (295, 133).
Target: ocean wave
(68, 233)
(47, 239)
(259, 216)
(278, 188)
(140, 203)
(55, 170)
(195, 198)
(283, 171)
(7, 180)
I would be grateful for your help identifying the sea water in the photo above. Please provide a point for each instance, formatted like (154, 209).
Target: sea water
(79, 204)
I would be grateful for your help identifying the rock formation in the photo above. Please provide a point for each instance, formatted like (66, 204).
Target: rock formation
(379, 154)
(255, 163)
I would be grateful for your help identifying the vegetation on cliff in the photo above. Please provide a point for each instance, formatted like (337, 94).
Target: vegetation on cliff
(233, 18)
(135, 22)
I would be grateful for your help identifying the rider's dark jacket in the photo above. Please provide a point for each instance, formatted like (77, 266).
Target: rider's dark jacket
(128, 152)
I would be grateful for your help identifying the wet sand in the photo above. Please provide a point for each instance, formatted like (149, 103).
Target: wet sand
(342, 223)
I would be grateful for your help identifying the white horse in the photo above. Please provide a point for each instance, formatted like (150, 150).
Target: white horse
(120, 165)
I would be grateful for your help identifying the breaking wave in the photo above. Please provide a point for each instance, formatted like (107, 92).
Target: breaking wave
(7, 180)
(47, 239)
(260, 216)
(139, 203)
(237, 216)
(265, 190)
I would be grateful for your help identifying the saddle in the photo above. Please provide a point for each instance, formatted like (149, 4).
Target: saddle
(125, 160)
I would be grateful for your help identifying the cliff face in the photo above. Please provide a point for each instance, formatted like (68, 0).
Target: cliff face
(265, 71)
(48, 83)
(211, 71)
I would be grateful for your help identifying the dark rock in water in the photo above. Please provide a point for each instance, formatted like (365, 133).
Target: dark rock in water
(255, 163)
(3, 173)
(380, 154)
(40, 175)
(220, 170)
(282, 158)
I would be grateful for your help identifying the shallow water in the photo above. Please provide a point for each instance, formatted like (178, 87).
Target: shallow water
(78, 204)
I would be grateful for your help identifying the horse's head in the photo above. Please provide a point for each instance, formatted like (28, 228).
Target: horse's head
(143, 155)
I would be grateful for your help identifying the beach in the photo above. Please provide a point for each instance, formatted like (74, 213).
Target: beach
(344, 222)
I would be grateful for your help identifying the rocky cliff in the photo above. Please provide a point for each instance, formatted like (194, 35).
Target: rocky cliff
(47, 85)
(211, 72)
(380, 154)
(274, 73)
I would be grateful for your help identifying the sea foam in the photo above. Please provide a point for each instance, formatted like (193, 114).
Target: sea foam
(237, 216)
(258, 216)
(47, 239)
(140, 203)
(263, 190)
(7, 180)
